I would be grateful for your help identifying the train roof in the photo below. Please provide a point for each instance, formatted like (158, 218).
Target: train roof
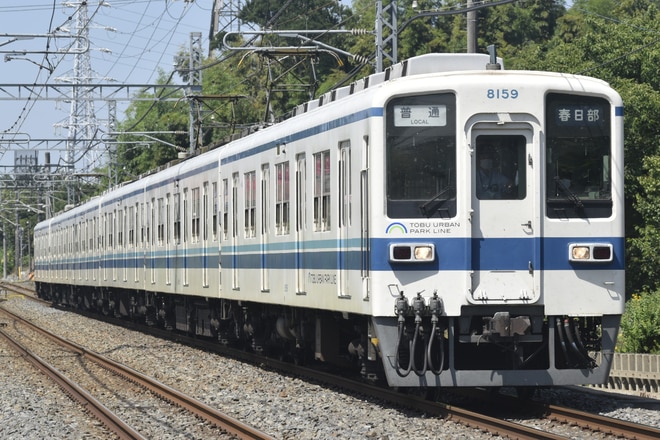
(419, 65)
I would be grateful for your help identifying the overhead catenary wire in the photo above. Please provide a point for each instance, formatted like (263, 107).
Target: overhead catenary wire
(134, 44)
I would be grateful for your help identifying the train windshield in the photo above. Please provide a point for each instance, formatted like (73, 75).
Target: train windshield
(421, 157)
(578, 157)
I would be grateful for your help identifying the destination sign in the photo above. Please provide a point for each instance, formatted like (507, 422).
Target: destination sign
(420, 115)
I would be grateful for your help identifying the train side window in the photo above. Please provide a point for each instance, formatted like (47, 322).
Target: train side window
(282, 199)
(131, 226)
(322, 191)
(98, 233)
(177, 218)
(120, 228)
(265, 199)
(225, 209)
(214, 227)
(76, 238)
(578, 156)
(161, 221)
(421, 156)
(250, 203)
(142, 226)
(109, 227)
(234, 205)
(92, 234)
(152, 222)
(205, 211)
(301, 194)
(195, 213)
(168, 217)
(345, 183)
(148, 223)
(185, 215)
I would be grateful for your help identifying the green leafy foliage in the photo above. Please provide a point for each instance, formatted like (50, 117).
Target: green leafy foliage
(156, 131)
(640, 325)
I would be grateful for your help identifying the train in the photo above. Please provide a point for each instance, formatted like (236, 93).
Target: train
(443, 223)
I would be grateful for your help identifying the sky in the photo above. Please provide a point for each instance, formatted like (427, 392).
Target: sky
(129, 41)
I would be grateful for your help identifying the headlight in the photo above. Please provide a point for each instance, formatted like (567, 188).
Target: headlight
(590, 252)
(412, 253)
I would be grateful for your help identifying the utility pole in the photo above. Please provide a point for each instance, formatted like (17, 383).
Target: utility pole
(386, 18)
(471, 28)
(194, 88)
(224, 18)
(471, 11)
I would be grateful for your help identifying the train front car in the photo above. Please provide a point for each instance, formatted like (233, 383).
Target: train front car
(499, 258)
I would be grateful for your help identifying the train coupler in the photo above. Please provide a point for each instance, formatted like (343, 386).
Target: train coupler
(501, 324)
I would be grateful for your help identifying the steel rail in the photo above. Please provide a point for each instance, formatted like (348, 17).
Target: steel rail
(574, 417)
(465, 417)
(208, 413)
(607, 425)
(86, 400)
(582, 419)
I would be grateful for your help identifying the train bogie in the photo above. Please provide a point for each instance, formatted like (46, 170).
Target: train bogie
(431, 225)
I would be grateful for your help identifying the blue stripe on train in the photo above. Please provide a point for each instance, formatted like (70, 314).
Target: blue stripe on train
(453, 254)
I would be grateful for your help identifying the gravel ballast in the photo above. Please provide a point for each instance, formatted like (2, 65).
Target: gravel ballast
(284, 407)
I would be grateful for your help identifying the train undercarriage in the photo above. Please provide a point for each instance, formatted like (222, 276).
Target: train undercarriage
(516, 346)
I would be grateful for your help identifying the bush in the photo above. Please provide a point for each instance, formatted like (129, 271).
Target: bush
(640, 325)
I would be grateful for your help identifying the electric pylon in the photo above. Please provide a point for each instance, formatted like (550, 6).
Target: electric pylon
(82, 123)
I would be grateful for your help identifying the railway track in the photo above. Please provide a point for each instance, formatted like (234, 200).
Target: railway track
(503, 425)
(495, 425)
(506, 405)
(7, 289)
(121, 381)
(607, 425)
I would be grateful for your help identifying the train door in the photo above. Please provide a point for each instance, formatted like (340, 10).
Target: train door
(167, 233)
(185, 237)
(205, 234)
(234, 231)
(344, 215)
(224, 229)
(504, 219)
(301, 186)
(97, 250)
(265, 226)
(104, 249)
(136, 242)
(151, 238)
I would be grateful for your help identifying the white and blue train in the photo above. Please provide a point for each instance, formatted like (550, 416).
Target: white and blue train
(443, 223)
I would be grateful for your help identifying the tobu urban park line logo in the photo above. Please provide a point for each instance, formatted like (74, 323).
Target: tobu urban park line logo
(431, 227)
(396, 228)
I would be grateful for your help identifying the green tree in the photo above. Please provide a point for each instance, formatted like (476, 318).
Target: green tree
(512, 27)
(640, 325)
(165, 128)
(231, 103)
(624, 50)
(289, 74)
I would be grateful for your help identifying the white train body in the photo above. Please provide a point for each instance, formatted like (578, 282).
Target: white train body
(366, 225)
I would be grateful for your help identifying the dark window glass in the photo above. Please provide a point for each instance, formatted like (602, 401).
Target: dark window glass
(578, 156)
(421, 156)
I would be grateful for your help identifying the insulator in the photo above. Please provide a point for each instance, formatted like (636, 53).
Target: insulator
(361, 59)
(361, 31)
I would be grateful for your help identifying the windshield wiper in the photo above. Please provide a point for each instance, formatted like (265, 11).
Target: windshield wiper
(570, 195)
(433, 205)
